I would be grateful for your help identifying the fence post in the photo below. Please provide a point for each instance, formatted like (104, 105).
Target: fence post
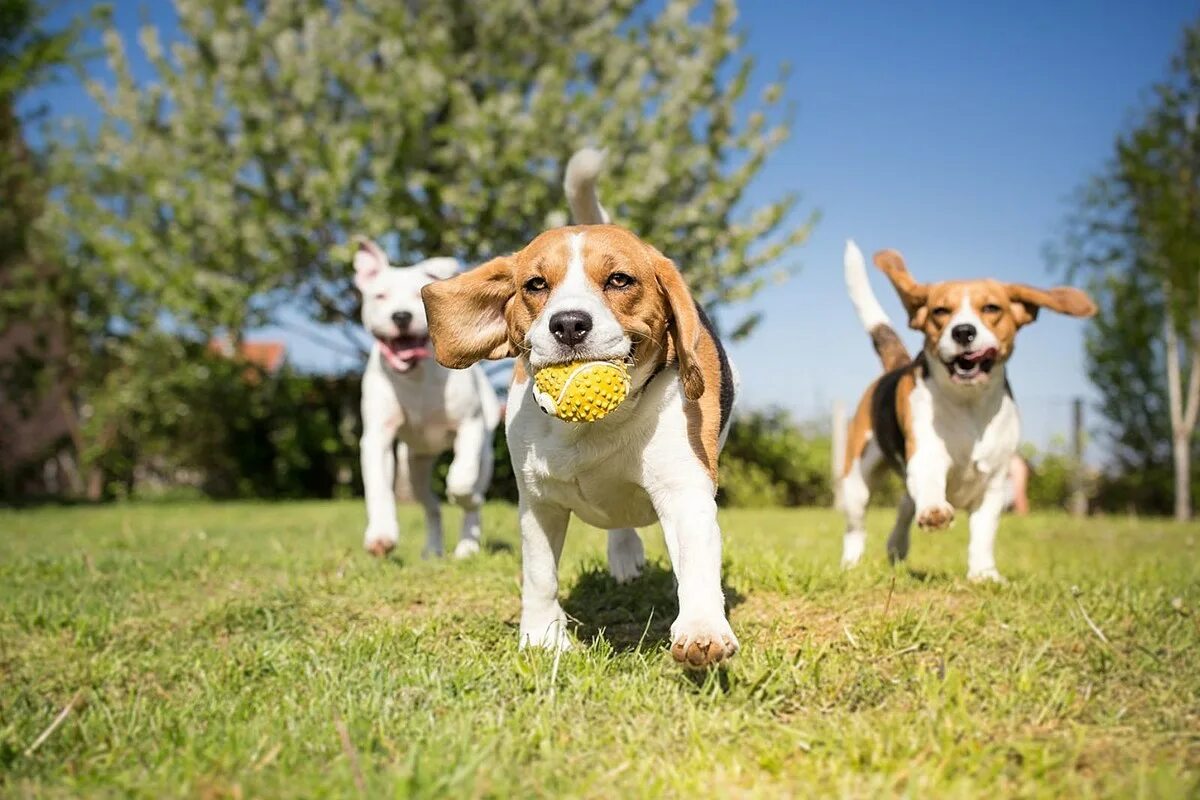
(1079, 502)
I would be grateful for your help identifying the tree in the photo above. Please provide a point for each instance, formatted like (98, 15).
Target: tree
(35, 411)
(1137, 236)
(231, 182)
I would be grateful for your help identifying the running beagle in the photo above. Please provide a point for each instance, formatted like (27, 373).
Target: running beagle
(946, 420)
(598, 292)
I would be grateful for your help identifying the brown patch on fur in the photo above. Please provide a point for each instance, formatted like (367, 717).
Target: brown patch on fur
(891, 350)
(704, 413)
(908, 382)
(467, 314)
(859, 430)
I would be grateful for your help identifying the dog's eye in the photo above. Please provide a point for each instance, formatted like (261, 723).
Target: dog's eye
(991, 308)
(941, 312)
(381, 295)
(618, 280)
(536, 284)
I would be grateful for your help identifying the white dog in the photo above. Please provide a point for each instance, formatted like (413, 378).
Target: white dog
(415, 409)
(598, 292)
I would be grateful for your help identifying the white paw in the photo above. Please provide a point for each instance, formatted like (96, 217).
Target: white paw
(466, 548)
(936, 517)
(698, 642)
(549, 632)
(626, 556)
(380, 540)
(850, 562)
(987, 575)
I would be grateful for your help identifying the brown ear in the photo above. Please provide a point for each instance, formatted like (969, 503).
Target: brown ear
(466, 314)
(912, 294)
(684, 327)
(1026, 300)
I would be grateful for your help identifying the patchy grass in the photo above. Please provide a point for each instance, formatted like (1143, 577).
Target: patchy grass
(254, 649)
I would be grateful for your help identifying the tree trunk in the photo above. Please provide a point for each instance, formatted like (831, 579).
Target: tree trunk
(1183, 417)
(1181, 450)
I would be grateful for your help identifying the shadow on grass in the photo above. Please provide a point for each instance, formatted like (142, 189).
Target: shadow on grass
(939, 576)
(495, 547)
(631, 616)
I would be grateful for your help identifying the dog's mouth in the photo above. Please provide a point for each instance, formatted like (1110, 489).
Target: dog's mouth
(402, 353)
(972, 367)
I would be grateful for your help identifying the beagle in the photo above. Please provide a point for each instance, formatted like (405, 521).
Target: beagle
(598, 292)
(946, 420)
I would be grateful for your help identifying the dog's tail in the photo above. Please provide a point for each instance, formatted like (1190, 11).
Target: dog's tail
(579, 183)
(891, 350)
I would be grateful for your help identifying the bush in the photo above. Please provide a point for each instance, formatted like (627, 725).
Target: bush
(769, 459)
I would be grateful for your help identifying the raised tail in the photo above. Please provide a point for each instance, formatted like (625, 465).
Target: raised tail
(579, 183)
(891, 350)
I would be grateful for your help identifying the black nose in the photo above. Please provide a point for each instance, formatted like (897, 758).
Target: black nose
(402, 319)
(963, 334)
(571, 327)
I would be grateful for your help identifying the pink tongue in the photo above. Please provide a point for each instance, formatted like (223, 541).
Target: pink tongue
(403, 360)
(980, 356)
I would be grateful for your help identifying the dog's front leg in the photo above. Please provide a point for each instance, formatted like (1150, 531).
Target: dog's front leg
(984, 521)
(377, 450)
(701, 635)
(543, 530)
(925, 477)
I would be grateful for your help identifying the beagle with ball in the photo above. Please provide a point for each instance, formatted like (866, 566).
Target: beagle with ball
(597, 292)
(945, 420)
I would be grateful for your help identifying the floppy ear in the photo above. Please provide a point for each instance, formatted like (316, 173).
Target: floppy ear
(369, 261)
(439, 268)
(466, 314)
(1026, 300)
(912, 294)
(684, 327)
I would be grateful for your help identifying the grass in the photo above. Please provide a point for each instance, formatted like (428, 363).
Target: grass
(255, 650)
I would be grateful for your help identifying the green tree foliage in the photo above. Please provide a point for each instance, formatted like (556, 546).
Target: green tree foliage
(228, 183)
(270, 132)
(1136, 237)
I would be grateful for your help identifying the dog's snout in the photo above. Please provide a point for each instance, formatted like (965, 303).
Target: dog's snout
(571, 327)
(402, 319)
(963, 334)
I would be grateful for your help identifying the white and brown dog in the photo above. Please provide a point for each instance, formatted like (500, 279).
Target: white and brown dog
(598, 292)
(946, 420)
(413, 409)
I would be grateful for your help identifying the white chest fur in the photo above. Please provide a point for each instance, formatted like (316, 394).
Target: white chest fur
(975, 433)
(598, 470)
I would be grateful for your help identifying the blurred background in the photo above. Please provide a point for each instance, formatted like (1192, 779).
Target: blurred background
(182, 180)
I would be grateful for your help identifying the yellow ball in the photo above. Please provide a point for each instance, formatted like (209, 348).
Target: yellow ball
(582, 391)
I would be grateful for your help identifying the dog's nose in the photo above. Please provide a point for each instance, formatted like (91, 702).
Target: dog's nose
(402, 319)
(571, 327)
(963, 334)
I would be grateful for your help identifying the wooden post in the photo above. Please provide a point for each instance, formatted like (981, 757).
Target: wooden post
(1079, 502)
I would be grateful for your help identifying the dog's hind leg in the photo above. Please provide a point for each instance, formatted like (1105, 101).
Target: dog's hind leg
(855, 494)
(626, 556)
(897, 545)
(420, 476)
(468, 479)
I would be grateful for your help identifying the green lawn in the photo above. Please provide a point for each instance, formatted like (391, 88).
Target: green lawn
(254, 649)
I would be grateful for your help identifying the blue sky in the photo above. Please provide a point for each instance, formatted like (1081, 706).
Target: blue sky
(954, 132)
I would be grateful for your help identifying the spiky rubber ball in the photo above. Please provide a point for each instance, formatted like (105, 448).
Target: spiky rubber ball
(582, 391)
